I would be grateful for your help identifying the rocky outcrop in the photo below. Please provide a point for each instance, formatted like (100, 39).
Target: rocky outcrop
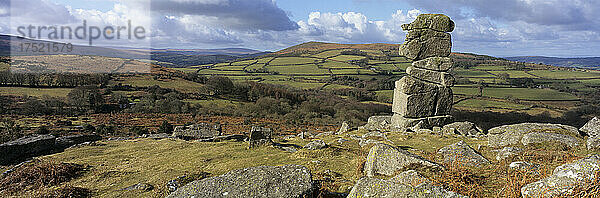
(512, 134)
(291, 181)
(315, 145)
(384, 159)
(260, 136)
(25, 147)
(406, 184)
(524, 166)
(507, 152)
(379, 123)
(564, 178)
(592, 128)
(467, 129)
(423, 99)
(67, 141)
(593, 143)
(197, 131)
(536, 138)
(344, 128)
(461, 154)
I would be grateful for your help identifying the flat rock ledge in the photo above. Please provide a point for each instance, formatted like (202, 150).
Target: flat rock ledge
(406, 184)
(536, 138)
(292, 181)
(384, 159)
(461, 154)
(564, 179)
(512, 134)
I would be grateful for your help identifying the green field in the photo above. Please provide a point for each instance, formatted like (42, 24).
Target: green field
(233, 67)
(298, 69)
(147, 81)
(295, 84)
(352, 71)
(471, 73)
(282, 61)
(487, 67)
(213, 71)
(558, 74)
(513, 74)
(186, 70)
(338, 65)
(517, 93)
(327, 54)
(347, 58)
(247, 62)
(36, 92)
(486, 104)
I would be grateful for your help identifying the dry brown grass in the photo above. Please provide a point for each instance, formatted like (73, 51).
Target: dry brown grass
(39, 174)
(67, 192)
(591, 190)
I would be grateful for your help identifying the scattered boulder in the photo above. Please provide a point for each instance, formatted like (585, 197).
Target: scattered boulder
(467, 129)
(28, 146)
(140, 186)
(156, 136)
(462, 154)
(344, 128)
(437, 22)
(593, 143)
(564, 178)
(524, 166)
(316, 145)
(507, 152)
(384, 159)
(592, 128)
(234, 137)
(292, 181)
(67, 141)
(367, 142)
(342, 140)
(378, 123)
(174, 184)
(406, 184)
(536, 138)
(511, 134)
(197, 131)
(260, 136)
(373, 134)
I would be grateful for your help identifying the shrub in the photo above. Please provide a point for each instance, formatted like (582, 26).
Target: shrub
(39, 173)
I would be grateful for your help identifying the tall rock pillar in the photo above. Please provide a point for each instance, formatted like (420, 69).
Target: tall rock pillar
(424, 98)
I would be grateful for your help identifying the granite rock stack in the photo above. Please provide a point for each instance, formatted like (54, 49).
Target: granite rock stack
(423, 98)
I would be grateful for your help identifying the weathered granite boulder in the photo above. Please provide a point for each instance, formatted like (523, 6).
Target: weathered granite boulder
(428, 122)
(260, 136)
(461, 154)
(406, 184)
(512, 134)
(156, 136)
(441, 78)
(467, 129)
(507, 152)
(536, 138)
(410, 85)
(140, 187)
(415, 105)
(292, 181)
(384, 159)
(593, 143)
(564, 178)
(524, 166)
(29, 146)
(315, 145)
(424, 43)
(197, 131)
(67, 141)
(344, 128)
(440, 64)
(437, 22)
(592, 128)
(378, 123)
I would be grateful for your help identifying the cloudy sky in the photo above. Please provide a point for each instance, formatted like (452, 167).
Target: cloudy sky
(564, 28)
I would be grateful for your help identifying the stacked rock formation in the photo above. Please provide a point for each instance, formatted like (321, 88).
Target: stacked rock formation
(424, 98)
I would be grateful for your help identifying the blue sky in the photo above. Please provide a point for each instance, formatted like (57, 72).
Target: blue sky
(563, 28)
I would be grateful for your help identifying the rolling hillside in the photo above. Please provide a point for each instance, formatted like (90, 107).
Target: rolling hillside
(588, 63)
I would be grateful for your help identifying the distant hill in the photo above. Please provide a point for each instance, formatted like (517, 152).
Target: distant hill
(174, 58)
(587, 63)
